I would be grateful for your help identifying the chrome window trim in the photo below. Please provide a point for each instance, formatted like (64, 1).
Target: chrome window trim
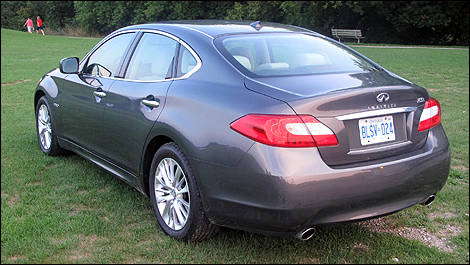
(112, 35)
(187, 75)
(133, 80)
(198, 60)
(365, 114)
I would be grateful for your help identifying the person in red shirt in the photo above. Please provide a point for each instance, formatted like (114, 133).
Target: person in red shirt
(29, 25)
(40, 26)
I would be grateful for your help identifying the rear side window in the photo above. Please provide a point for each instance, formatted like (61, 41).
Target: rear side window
(106, 60)
(279, 54)
(186, 62)
(153, 58)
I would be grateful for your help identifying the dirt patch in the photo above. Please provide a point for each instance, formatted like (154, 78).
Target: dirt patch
(80, 192)
(447, 215)
(309, 261)
(150, 240)
(146, 244)
(134, 261)
(432, 74)
(15, 258)
(77, 208)
(64, 187)
(378, 225)
(33, 184)
(424, 236)
(86, 245)
(16, 82)
(105, 189)
(441, 240)
(48, 166)
(135, 226)
(58, 241)
(450, 231)
(432, 89)
(13, 200)
(460, 168)
(359, 245)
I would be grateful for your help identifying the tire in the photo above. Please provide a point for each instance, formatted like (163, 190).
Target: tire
(44, 123)
(196, 226)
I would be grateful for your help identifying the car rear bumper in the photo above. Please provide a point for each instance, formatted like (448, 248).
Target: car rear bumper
(285, 190)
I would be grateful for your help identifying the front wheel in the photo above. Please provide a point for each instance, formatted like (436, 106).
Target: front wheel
(175, 197)
(45, 129)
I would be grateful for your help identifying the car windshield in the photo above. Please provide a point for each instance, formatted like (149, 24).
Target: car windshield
(289, 54)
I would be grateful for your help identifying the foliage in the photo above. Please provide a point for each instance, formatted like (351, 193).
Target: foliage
(55, 14)
(406, 22)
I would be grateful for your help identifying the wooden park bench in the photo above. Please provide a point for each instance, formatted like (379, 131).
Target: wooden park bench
(347, 33)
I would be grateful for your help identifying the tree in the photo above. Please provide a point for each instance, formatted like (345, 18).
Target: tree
(406, 22)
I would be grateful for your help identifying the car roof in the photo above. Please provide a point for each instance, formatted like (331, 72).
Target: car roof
(216, 28)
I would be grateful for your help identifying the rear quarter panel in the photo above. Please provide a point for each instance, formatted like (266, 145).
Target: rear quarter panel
(198, 114)
(199, 110)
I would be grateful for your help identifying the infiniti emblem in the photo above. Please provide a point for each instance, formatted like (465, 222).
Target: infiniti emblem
(383, 97)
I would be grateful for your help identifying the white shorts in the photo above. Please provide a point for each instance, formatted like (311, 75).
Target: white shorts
(30, 28)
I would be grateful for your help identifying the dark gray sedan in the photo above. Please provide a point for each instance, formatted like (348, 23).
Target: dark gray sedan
(262, 127)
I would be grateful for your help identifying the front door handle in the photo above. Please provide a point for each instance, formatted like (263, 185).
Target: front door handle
(150, 103)
(100, 94)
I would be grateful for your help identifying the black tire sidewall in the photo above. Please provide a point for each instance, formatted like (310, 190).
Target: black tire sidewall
(172, 151)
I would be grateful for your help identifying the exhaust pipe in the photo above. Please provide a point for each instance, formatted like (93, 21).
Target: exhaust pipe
(306, 234)
(428, 201)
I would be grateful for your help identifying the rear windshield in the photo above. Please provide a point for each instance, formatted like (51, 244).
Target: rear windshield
(289, 54)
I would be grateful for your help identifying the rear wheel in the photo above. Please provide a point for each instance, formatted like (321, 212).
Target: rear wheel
(175, 197)
(45, 129)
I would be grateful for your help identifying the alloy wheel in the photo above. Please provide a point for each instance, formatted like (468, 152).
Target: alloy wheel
(172, 194)
(44, 127)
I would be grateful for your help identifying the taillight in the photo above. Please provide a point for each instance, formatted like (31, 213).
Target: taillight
(431, 115)
(285, 130)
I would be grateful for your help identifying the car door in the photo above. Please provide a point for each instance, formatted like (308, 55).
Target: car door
(133, 103)
(82, 94)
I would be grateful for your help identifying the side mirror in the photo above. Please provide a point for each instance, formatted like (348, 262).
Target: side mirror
(69, 65)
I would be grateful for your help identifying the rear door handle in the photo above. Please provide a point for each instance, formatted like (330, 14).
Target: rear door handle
(100, 94)
(150, 103)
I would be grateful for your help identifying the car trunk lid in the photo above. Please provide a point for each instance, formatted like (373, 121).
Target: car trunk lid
(346, 103)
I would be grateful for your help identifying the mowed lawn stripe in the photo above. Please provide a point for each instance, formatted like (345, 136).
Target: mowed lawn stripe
(68, 210)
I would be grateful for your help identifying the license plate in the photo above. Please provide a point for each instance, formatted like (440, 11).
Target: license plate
(376, 130)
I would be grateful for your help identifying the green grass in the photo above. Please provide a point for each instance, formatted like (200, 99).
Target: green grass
(401, 45)
(68, 210)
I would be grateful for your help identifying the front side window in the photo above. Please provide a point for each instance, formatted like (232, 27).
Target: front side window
(153, 58)
(106, 60)
(279, 54)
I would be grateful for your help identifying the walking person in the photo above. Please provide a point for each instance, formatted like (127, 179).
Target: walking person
(29, 25)
(39, 26)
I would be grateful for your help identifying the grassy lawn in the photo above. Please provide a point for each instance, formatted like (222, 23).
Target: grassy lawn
(354, 44)
(68, 210)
